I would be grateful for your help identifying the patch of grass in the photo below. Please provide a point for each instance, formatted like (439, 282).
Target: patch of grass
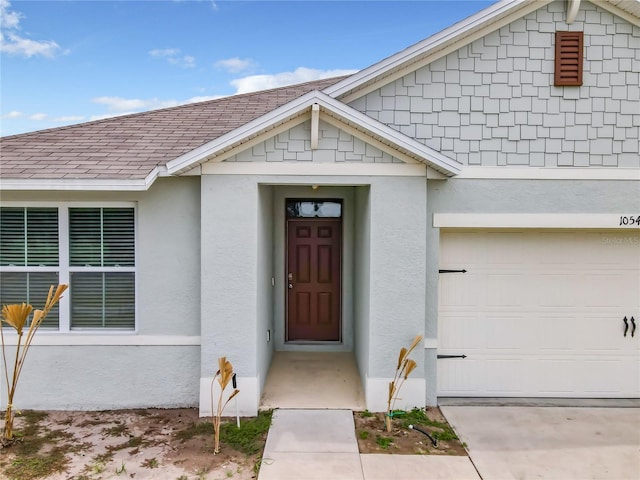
(31, 467)
(133, 442)
(365, 414)
(418, 416)
(118, 430)
(383, 442)
(29, 463)
(363, 435)
(150, 463)
(103, 457)
(246, 439)
(249, 437)
(194, 430)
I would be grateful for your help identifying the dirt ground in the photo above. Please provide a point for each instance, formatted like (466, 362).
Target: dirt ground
(176, 444)
(373, 437)
(140, 444)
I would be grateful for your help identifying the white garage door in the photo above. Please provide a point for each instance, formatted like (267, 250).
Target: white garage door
(539, 314)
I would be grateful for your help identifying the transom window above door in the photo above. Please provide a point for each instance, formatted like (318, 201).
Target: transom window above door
(314, 209)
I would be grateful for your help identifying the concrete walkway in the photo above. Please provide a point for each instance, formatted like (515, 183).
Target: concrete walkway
(321, 445)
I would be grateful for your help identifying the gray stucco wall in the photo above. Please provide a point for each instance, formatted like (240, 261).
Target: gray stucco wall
(493, 101)
(229, 273)
(397, 269)
(362, 281)
(264, 327)
(90, 376)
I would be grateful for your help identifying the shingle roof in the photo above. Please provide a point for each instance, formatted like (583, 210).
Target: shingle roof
(131, 146)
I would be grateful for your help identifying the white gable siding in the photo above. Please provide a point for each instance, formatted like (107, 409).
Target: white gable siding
(493, 103)
(334, 145)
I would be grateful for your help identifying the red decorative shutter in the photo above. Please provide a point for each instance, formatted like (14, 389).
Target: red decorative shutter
(568, 71)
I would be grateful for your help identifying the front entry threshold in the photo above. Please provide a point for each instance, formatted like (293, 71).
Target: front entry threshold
(313, 380)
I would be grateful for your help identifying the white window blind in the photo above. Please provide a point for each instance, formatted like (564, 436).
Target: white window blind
(102, 261)
(29, 253)
(28, 236)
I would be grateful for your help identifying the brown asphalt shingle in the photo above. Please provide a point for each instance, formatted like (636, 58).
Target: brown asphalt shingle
(131, 146)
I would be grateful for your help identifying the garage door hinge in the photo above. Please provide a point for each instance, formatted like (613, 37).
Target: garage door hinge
(452, 356)
(452, 271)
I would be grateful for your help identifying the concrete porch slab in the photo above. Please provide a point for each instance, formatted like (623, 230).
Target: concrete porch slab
(313, 380)
(569, 443)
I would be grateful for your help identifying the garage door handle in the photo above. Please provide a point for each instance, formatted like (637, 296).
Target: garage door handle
(626, 326)
(633, 328)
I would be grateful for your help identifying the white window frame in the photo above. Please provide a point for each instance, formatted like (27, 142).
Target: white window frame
(64, 269)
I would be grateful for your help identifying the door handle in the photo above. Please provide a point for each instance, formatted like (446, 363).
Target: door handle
(291, 286)
(626, 326)
(633, 328)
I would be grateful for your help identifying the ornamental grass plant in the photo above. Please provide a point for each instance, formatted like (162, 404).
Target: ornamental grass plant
(16, 316)
(224, 375)
(404, 367)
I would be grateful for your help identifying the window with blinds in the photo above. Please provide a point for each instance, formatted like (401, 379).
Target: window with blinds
(28, 237)
(29, 257)
(90, 248)
(102, 261)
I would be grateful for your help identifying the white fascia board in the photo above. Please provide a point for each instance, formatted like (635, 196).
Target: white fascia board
(386, 134)
(84, 184)
(611, 8)
(239, 135)
(477, 23)
(555, 173)
(533, 220)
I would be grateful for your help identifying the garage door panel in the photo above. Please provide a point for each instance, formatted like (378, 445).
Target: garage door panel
(458, 291)
(502, 381)
(506, 333)
(507, 290)
(555, 333)
(540, 318)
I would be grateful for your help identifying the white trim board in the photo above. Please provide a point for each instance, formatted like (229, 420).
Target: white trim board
(534, 220)
(84, 184)
(318, 169)
(556, 173)
(51, 339)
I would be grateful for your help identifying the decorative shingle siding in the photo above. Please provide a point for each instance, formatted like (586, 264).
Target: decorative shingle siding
(294, 145)
(493, 101)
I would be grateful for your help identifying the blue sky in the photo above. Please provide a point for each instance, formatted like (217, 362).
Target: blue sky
(65, 62)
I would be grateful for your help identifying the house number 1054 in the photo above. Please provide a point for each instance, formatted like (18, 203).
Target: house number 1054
(630, 220)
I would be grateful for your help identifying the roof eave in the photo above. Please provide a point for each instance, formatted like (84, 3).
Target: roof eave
(83, 184)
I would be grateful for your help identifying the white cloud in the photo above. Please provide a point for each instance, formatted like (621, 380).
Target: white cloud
(69, 118)
(13, 114)
(8, 19)
(174, 57)
(235, 65)
(254, 83)
(14, 44)
(203, 98)
(38, 116)
(164, 52)
(119, 104)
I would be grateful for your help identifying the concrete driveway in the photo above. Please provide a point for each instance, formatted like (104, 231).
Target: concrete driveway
(561, 443)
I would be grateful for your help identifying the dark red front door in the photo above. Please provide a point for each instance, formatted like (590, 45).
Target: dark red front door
(313, 279)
